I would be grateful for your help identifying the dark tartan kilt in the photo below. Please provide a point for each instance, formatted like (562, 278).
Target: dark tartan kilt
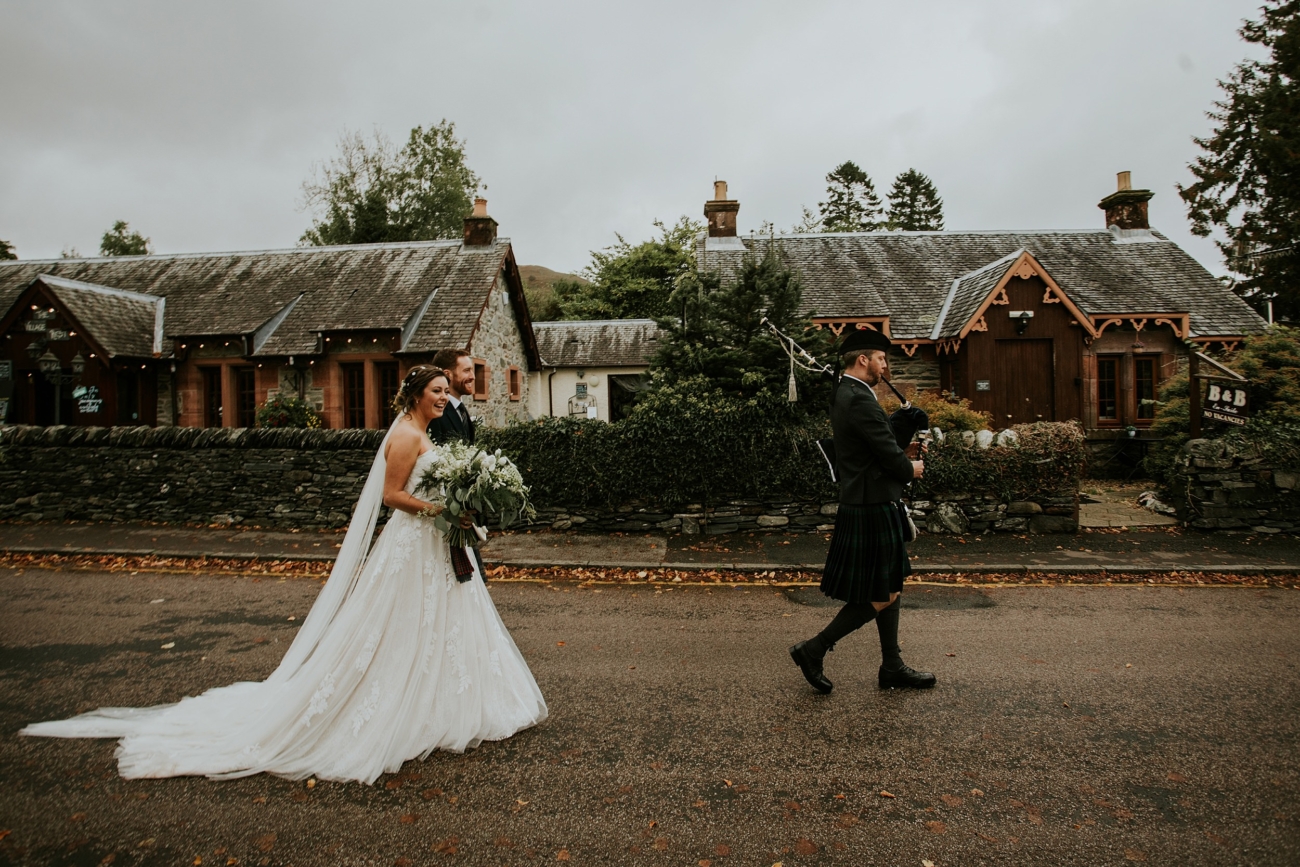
(868, 557)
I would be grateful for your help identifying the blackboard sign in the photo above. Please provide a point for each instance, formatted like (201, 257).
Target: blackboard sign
(1227, 402)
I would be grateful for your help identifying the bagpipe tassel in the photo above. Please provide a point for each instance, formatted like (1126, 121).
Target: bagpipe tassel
(794, 389)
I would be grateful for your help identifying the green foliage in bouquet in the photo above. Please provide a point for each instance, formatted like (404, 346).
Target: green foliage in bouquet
(287, 411)
(464, 479)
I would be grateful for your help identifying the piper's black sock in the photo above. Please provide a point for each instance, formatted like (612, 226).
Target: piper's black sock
(887, 625)
(851, 617)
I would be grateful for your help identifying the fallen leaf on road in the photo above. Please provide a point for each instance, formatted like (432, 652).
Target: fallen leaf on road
(926, 862)
(704, 862)
(311, 784)
(986, 837)
(562, 855)
(951, 800)
(847, 820)
(156, 601)
(936, 827)
(840, 796)
(402, 862)
(1065, 704)
(698, 804)
(978, 793)
(1216, 838)
(722, 849)
(1175, 777)
(792, 806)
(77, 817)
(265, 843)
(950, 654)
(885, 794)
(1134, 855)
(661, 843)
(447, 847)
(804, 846)
(559, 644)
(409, 819)
(169, 645)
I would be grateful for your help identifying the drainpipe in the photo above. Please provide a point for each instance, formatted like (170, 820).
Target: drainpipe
(550, 394)
(176, 419)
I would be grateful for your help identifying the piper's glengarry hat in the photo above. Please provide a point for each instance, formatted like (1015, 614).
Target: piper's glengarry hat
(864, 338)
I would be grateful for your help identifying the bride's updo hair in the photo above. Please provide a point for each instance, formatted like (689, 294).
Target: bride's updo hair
(417, 379)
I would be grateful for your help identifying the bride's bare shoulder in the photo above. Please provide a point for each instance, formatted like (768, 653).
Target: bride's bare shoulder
(404, 440)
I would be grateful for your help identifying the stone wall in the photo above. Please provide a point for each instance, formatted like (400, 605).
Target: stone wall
(1223, 489)
(498, 342)
(954, 514)
(307, 479)
(311, 479)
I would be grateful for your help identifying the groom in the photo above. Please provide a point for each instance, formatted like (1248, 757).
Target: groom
(455, 423)
(867, 560)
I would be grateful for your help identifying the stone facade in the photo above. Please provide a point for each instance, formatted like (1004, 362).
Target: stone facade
(1223, 489)
(498, 342)
(920, 372)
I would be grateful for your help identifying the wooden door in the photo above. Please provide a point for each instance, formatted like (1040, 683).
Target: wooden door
(1025, 382)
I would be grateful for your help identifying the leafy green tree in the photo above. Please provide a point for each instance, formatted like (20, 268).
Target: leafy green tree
(716, 337)
(7, 251)
(121, 241)
(631, 282)
(914, 204)
(1248, 177)
(374, 192)
(809, 221)
(851, 202)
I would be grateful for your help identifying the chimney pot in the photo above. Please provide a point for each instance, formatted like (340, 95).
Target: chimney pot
(721, 212)
(480, 229)
(1126, 208)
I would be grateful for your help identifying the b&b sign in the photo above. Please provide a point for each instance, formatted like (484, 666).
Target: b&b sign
(1227, 403)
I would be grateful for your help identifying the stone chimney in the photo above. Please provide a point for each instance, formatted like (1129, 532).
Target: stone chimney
(1126, 208)
(480, 229)
(721, 212)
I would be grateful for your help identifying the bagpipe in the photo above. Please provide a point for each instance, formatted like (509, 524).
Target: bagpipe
(906, 421)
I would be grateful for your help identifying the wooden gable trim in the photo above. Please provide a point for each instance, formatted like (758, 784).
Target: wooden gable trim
(837, 324)
(1179, 323)
(1024, 267)
(23, 303)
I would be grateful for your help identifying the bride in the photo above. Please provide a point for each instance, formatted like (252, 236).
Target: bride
(395, 660)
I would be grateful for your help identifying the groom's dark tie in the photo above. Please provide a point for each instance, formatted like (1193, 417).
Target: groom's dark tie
(464, 418)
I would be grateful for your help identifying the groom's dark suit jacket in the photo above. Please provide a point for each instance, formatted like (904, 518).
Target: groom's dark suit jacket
(870, 465)
(450, 426)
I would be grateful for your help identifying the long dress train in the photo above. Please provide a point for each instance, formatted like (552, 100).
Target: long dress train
(396, 659)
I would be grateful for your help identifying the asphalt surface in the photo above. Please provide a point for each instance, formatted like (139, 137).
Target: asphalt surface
(1070, 726)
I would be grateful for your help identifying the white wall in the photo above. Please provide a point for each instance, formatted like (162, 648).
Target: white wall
(564, 384)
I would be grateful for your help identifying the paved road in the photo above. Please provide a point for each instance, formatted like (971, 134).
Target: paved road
(1071, 725)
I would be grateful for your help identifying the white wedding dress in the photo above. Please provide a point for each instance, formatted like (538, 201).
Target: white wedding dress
(395, 660)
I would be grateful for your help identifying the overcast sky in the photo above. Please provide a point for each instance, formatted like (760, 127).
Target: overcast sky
(197, 123)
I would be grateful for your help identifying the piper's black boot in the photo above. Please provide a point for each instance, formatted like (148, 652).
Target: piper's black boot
(893, 673)
(905, 678)
(811, 666)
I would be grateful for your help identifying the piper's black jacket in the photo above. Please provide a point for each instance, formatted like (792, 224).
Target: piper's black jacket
(870, 465)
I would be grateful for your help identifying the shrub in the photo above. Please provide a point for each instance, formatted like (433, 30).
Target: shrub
(686, 444)
(287, 411)
(1271, 361)
(946, 413)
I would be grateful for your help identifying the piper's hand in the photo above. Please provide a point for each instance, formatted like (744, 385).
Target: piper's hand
(913, 451)
(918, 469)
(467, 519)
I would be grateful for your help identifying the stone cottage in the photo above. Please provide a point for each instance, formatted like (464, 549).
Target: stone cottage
(203, 340)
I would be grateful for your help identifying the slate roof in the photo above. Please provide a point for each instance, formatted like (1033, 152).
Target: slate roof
(311, 289)
(123, 323)
(908, 276)
(607, 343)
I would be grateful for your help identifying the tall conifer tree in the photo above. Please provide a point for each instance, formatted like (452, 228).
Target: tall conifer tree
(851, 202)
(914, 204)
(1248, 175)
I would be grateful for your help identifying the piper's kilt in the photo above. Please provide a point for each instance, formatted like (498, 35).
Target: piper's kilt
(868, 557)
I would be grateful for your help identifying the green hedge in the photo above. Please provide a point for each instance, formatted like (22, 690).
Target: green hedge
(685, 445)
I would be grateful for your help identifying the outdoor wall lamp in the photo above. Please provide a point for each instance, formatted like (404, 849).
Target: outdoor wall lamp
(78, 364)
(1021, 318)
(49, 365)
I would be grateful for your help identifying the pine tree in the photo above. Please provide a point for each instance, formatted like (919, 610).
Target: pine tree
(7, 251)
(1248, 176)
(914, 204)
(716, 333)
(851, 202)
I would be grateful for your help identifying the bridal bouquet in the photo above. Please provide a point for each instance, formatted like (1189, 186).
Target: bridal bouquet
(465, 478)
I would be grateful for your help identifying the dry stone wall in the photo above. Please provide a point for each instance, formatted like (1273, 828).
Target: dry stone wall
(1224, 489)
